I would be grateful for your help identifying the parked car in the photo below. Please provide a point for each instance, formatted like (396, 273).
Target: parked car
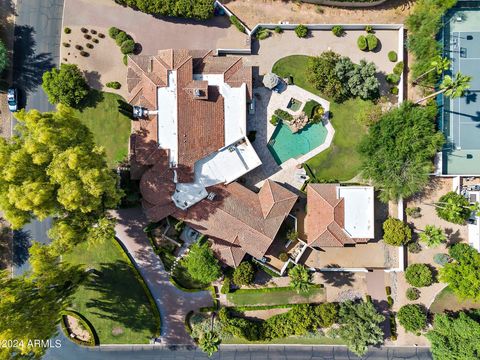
(12, 99)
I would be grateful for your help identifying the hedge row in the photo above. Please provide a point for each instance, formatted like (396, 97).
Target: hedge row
(198, 9)
(271, 289)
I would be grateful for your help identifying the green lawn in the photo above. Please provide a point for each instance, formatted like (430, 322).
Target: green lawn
(341, 160)
(113, 299)
(277, 296)
(110, 128)
(447, 300)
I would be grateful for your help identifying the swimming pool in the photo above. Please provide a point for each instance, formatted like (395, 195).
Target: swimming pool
(285, 145)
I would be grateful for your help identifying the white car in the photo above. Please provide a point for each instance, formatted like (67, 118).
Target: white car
(12, 99)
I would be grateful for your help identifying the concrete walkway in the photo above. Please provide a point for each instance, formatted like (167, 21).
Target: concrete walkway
(172, 303)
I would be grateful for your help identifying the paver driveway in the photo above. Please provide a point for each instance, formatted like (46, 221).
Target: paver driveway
(173, 303)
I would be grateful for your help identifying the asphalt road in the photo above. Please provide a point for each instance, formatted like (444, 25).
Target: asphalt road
(70, 351)
(36, 50)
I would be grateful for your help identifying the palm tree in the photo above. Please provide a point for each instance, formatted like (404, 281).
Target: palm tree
(454, 208)
(433, 236)
(439, 65)
(209, 343)
(452, 88)
(300, 279)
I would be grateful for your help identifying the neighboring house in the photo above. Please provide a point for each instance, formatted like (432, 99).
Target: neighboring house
(193, 146)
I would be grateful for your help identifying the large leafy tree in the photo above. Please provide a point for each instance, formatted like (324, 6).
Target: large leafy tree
(399, 149)
(198, 9)
(244, 274)
(359, 326)
(454, 208)
(201, 263)
(3, 57)
(363, 82)
(455, 337)
(300, 278)
(31, 305)
(53, 168)
(463, 274)
(322, 75)
(65, 85)
(433, 236)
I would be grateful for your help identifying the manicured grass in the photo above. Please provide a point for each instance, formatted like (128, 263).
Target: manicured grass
(447, 300)
(275, 296)
(341, 160)
(110, 128)
(181, 276)
(113, 299)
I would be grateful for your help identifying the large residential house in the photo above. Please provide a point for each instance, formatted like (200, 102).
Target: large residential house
(192, 146)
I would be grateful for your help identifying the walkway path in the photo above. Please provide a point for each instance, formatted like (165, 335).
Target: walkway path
(173, 303)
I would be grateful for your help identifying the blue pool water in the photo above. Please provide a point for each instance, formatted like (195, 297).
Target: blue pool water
(285, 145)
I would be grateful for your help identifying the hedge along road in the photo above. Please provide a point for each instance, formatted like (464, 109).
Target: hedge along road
(36, 49)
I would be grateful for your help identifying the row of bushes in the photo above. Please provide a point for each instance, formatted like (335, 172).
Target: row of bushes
(198, 9)
(367, 43)
(299, 320)
(125, 41)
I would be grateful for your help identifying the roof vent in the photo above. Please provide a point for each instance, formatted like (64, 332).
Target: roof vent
(197, 93)
(211, 196)
(150, 65)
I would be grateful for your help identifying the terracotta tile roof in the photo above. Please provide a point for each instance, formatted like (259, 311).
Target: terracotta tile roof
(324, 221)
(235, 216)
(231, 254)
(201, 128)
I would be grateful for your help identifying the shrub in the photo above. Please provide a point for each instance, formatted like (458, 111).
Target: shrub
(309, 108)
(101, 36)
(412, 294)
(125, 60)
(393, 327)
(67, 30)
(419, 275)
(362, 43)
(389, 301)
(368, 298)
(393, 79)
(84, 53)
(396, 233)
(394, 90)
(127, 47)
(90, 46)
(179, 226)
(121, 38)
(84, 30)
(79, 47)
(413, 212)
(441, 259)
(226, 286)
(433, 236)
(301, 31)
(398, 68)
(234, 20)
(244, 274)
(262, 34)
(92, 31)
(284, 115)
(274, 120)
(65, 44)
(414, 247)
(201, 263)
(369, 29)
(412, 317)
(388, 290)
(283, 257)
(326, 314)
(112, 32)
(95, 40)
(337, 30)
(113, 85)
(372, 42)
(392, 56)
(87, 36)
(278, 30)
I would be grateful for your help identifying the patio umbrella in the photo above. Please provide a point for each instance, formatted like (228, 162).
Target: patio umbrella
(270, 80)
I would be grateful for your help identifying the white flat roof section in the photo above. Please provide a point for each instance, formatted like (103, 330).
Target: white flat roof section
(359, 210)
(474, 234)
(186, 195)
(167, 117)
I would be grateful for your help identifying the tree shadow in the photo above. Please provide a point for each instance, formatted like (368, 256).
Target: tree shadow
(21, 245)
(28, 66)
(117, 300)
(452, 236)
(93, 79)
(337, 278)
(125, 108)
(93, 98)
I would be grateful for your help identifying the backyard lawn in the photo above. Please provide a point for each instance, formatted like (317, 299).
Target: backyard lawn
(446, 300)
(110, 128)
(341, 160)
(113, 299)
(275, 296)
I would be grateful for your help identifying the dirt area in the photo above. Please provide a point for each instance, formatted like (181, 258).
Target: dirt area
(253, 12)
(75, 328)
(341, 286)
